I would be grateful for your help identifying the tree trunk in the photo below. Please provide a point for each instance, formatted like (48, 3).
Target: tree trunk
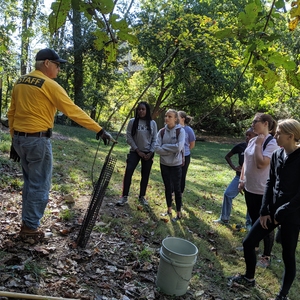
(28, 17)
(78, 58)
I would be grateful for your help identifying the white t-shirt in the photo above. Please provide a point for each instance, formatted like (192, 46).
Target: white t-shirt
(256, 179)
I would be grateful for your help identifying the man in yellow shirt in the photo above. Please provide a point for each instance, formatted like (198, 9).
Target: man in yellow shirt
(35, 100)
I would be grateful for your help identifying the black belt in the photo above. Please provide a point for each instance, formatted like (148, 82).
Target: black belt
(35, 134)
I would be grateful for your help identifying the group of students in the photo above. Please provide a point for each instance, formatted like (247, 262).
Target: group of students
(172, 143)
(268, 175)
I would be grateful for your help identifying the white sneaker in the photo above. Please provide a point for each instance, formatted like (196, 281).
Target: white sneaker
(220, 221)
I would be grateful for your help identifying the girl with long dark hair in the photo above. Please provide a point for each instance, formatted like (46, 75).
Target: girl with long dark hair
(140, 136)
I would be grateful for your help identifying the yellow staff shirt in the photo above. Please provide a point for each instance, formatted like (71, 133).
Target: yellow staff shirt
(35, 99)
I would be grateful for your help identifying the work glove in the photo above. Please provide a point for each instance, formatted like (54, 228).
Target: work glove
(13, 154)
(105, 136)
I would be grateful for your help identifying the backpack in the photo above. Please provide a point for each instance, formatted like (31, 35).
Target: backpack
(267, 142)
(162, 133)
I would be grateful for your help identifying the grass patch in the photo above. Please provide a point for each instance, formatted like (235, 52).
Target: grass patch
(77, 165)
(35, 269)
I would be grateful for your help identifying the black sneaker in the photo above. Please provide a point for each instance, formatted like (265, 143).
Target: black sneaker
(242, 280)
(122, 201)
(177, 218)
(278, 297)
(143, 201)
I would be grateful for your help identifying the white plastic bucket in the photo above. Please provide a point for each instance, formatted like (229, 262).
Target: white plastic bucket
(177, 258)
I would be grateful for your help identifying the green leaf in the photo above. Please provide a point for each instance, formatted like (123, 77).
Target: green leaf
(132, 39)
(252, 10)
(101, 39)
(269, 79)
(104, 6)
(279, 4)
(279, 60)
(244, 18)
(59, 13)
(251, 47)
(111, 52)
(122, 24)
(87, 10)
(293, 78)
(224, 33)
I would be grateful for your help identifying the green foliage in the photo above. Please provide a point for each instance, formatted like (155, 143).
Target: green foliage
(58, 17)
(145, 254)
(255, 29)
(108, 31)
(66, 214)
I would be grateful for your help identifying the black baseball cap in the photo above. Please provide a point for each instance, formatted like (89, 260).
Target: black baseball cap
(49, 54)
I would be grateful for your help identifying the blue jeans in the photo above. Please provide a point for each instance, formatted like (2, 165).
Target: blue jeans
(36, 161)
(230, 193)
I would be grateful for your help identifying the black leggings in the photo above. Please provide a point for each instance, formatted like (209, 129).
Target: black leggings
(253, 202)
(187, 160)
(132, 161)
(289, 239)
(172, 177)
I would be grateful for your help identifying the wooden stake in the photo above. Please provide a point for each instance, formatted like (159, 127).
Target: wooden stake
(29, 296)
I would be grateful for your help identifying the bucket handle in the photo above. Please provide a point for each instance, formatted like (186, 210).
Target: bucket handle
(187, 280)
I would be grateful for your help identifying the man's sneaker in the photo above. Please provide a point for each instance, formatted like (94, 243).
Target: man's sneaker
(241, 280)
(220, 221)
(122, 201)
(143, 201)
(264, 262)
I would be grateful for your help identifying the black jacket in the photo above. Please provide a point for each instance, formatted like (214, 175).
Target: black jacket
(281, 199)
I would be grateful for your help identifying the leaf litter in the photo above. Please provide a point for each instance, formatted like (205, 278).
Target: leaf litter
(55, 266)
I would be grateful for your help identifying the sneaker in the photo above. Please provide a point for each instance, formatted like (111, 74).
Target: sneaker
(122, 201)
(264, 262)
(241, 280)
(278, 297)
(143, 201)
(177, 218)
(220, 221)
(166, 214)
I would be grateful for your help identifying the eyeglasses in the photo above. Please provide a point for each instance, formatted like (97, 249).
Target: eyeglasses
(256, 121)
(56, 63)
